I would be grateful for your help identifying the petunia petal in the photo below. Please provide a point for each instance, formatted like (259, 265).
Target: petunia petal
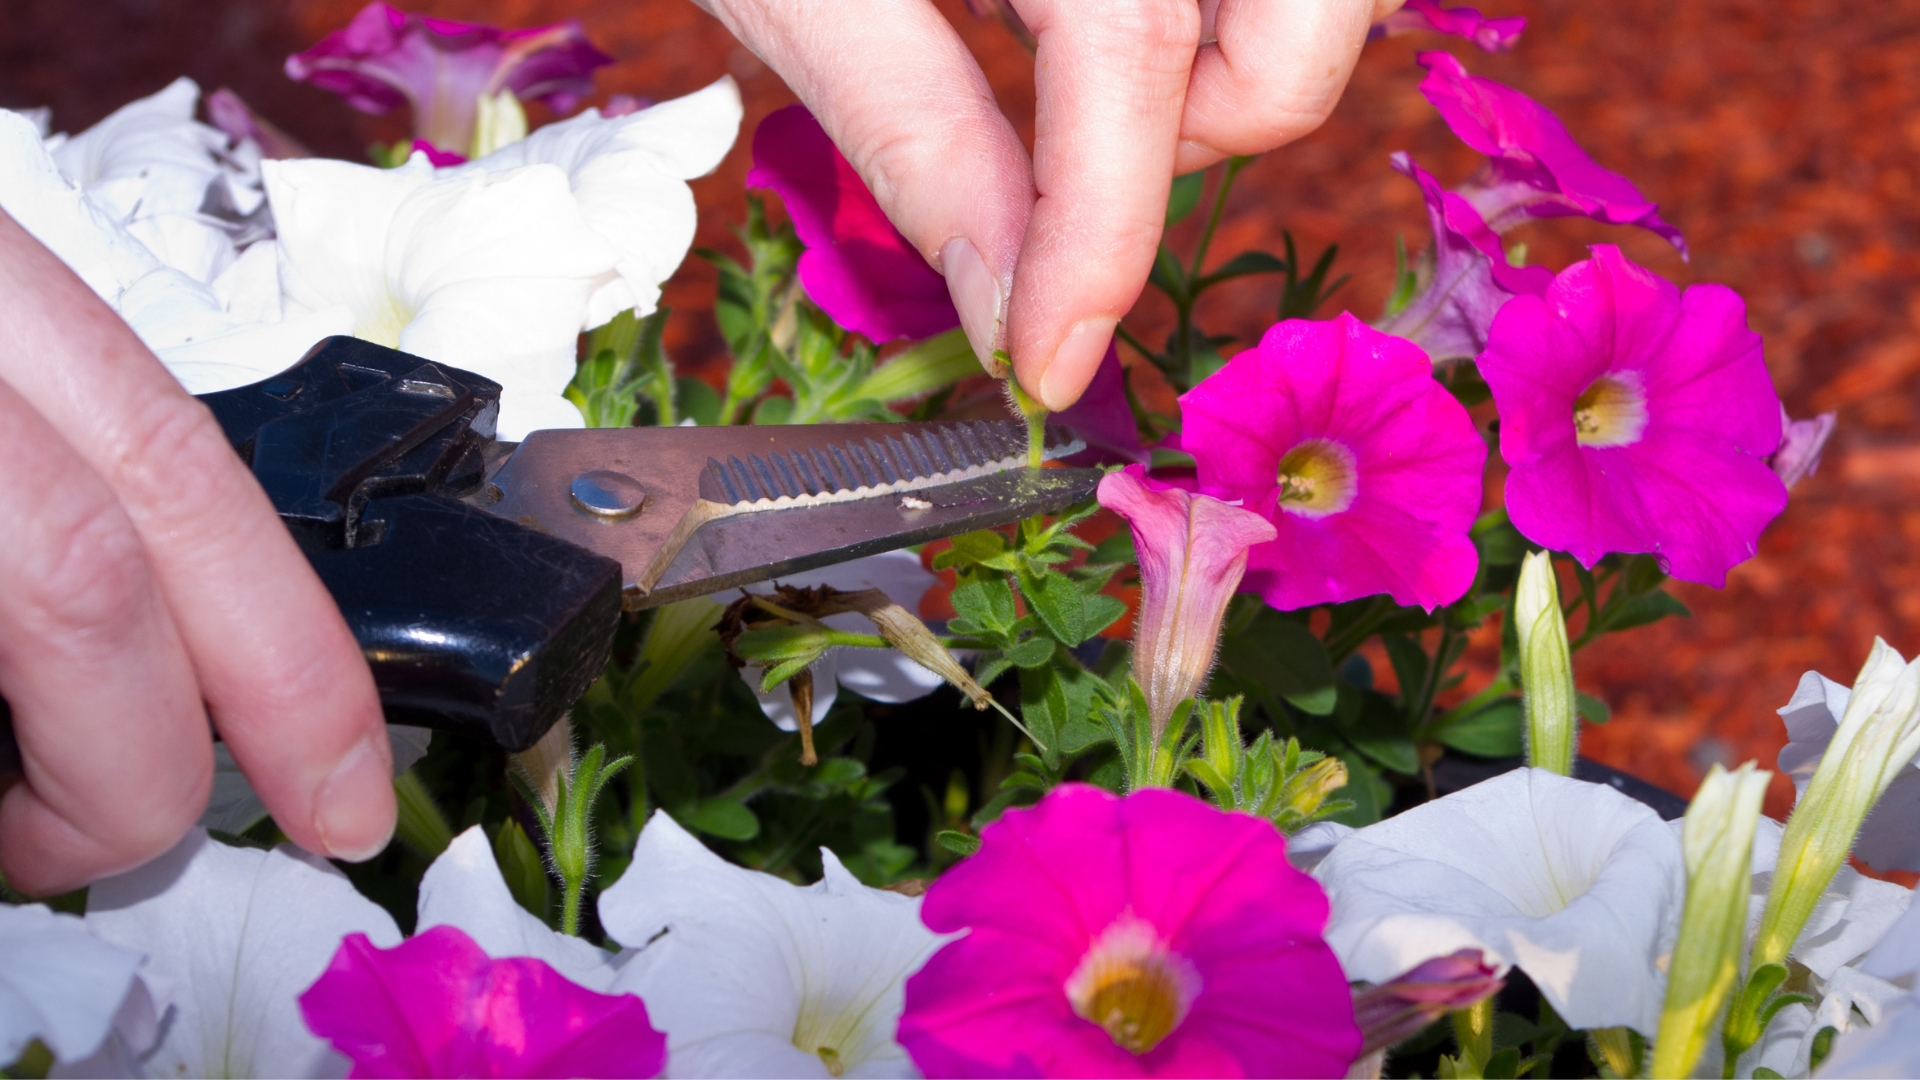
(58, 983)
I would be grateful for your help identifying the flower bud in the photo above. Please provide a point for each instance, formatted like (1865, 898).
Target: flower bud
(498, 120)
(1546, 666)
(1308, 789)
(1717, 842)
(1400, 1008)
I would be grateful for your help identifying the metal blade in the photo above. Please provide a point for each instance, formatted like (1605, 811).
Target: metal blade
(690, 510)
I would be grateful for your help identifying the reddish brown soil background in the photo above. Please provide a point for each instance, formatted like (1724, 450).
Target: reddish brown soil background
(1781, 135)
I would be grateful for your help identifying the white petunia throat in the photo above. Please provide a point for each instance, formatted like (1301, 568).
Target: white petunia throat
(1133, 985)
(1318, 478)
(1611, 412)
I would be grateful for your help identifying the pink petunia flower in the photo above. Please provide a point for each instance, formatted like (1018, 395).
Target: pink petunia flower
(1463, 276)
(1340, 436)
(1535, 169)
(1491, 34)
(1147, 936)
(1636, 418)
(437, 1006)
(385, 58)
(1193, 551)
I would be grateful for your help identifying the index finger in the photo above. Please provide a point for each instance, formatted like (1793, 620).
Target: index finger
(1112, 80)
(280, 672)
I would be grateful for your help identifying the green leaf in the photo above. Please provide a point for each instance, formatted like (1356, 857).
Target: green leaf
(1059, 603)
(1283, 656)
(1102, 611)
(1184, 196)
(1043, 703)
(773, 410)
(1242, 265)
(1319, 702)
(1503, 1065)
(987, 603)
(961, 844)
(1031, 653)
(1591, 709)
(1371, 723)
(1499, 543)
(723, 818)
(521, 865)
(983, 548)
(927, 366)
(1641, 610)
(1368, 792)
(1409, 667)
(1114, 550)
(1494, 731)
(1643, 574)
(698, 401)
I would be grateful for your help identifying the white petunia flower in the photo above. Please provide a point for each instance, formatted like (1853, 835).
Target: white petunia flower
(234, 807)
(877, 674)
(1574, 883)
(232, 937)
(58, 983)
(464, 889)
(489, 271)
(1850, 919)
(1890, 838)
(1885, 989)
(752, 976)
(629, 174)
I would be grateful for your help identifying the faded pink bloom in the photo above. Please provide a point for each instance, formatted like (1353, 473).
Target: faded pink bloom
(1463, 276)
(1340, 436)
(1534, 167)
(1801, 442)
(385, 58)
(1418, 16)
(1402, 1007)
(1192, 551)
(1636, 418)
(1147, 936)
(437, 1006)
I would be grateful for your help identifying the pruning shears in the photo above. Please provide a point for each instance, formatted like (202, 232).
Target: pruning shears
(484, 579)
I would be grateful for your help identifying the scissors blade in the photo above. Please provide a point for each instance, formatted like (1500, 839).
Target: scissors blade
(689, 511)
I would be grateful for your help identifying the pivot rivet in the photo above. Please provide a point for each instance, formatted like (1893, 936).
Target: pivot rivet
(612, 496)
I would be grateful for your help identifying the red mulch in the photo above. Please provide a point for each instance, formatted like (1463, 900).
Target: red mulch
(1781, 136)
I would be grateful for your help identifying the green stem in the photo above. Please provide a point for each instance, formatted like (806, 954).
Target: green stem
(1495, 689)
(1036, 416)
(1341, 647)
(1234, 165)
(570, 907)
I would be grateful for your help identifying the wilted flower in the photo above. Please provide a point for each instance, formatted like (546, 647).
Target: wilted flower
(1403, 1006)
(437, 1006)
(1890, 837)
(1192, 551)
(489, 272)
(385, 58)
(1491, 34)
(58, 983)
(750, 975)
(1801, 441)
(1574, 883)
(1340, 436)
(629, 173)
(1636, 418)
(1534, 167)
(1463, 277)
(1146, 936)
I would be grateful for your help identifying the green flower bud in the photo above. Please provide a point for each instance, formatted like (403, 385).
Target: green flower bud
(1546, 666)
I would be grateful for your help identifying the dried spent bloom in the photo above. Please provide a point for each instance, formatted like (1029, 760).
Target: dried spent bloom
(1368, 469)
(1147, 936)
(437, 1006)
(1492, 34)
(1462, 279)
(1192, 551)
(1801, 442)
(1636, 418)
(857, 266)
(1574, 883)
(1404, 1005)
(385, 58)
(1534, 168)
(750, 975)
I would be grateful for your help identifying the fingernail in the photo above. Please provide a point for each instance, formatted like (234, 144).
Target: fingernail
(977, 295)
(355, 817)
(1074, 363)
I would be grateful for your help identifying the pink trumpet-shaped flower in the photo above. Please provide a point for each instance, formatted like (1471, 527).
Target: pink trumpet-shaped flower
(1491, 34)
(1402, 1007)
(385, 58)
(1801, 442)
(437, 1006)
(1464, 276)
(1192, 551)
(1340, 436)
(1147, 936)
(1636, 418)
(1535, 169)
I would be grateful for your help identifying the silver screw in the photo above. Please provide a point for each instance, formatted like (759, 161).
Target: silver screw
(607, 494)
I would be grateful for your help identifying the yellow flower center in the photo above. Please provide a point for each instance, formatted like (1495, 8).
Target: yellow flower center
(1317, 478)
(1611, 412)
(1132, 985)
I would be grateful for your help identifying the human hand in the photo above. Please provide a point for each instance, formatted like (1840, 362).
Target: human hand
(1042, 259)
(145, 584)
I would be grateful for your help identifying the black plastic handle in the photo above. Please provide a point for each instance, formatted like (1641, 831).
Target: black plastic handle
(470, 622)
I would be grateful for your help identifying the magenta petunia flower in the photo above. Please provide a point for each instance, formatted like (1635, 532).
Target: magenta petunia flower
(1103, 418)
(1463, 276)
(857, 266)
(1370, 471)
(1193, 551)
(1535, 169)
(437, 1006)
(1147, 936)
(385, 58)
(1636, 418)
(1491, 34)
